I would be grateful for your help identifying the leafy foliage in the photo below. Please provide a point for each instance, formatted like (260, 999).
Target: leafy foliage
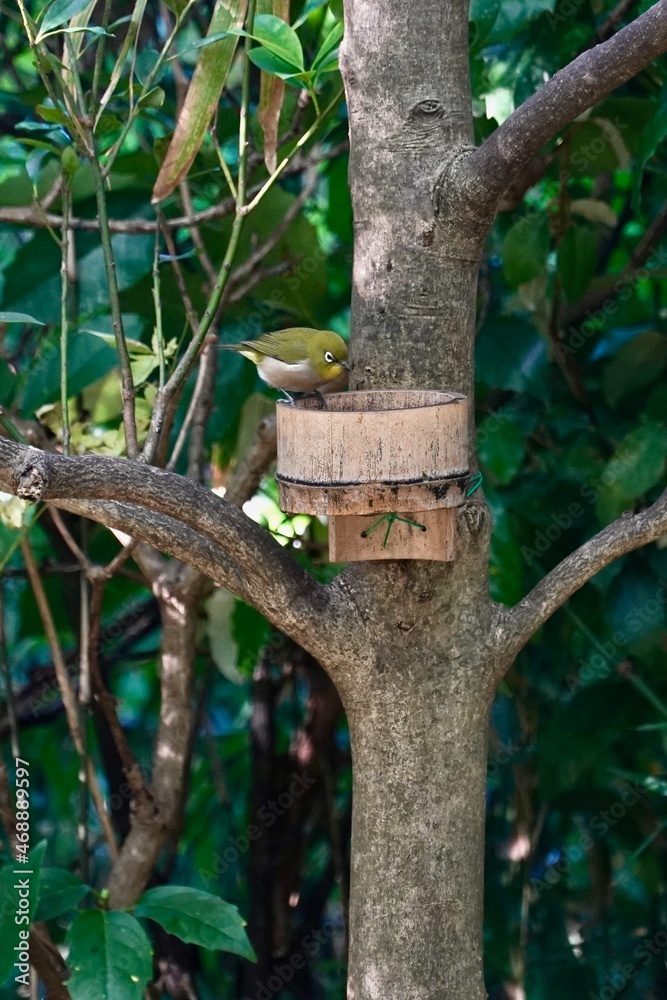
(572, 413)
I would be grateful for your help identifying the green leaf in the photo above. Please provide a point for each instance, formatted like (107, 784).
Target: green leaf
(635, 467)
(53, 115)
(577, 258)
(145, 64)
(525, 249)
(278, 37)
(133, 346)
(59, 12)
(268, 62)
(637, 364)
(69, 161)
(87, 30)
(12, 317)
(142, 368)
(328, 48)
(507, 565)
(153, 99)
(512, 355)
(60, 891)
(108, 124)
(110, 957)
(36, 861)
(89, 359)
(203, 43)
(198, 918)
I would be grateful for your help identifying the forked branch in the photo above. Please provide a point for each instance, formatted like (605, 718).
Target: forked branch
(183, 519)
(489, 170)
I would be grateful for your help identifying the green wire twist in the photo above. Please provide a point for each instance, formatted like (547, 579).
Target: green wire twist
(474, 484)
(390, 518)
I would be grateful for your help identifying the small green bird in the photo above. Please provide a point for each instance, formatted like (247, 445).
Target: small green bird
(298, 359)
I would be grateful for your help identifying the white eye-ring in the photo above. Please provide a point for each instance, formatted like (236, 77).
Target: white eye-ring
(329, 358)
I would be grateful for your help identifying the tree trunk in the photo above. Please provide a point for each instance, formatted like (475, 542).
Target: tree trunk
(418, 705)
(417, 840)
(417, 697)
(417, 248)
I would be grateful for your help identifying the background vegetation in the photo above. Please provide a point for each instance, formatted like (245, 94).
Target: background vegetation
(572, 416)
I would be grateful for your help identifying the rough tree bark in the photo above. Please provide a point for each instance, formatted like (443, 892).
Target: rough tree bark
(418, 695)
(415, 649)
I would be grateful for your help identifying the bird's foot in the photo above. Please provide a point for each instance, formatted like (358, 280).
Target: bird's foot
(321, 402)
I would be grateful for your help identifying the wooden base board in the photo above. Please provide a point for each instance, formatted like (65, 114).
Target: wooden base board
(394, 539)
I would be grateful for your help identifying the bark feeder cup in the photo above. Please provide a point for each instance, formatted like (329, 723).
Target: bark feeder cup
(388, 468)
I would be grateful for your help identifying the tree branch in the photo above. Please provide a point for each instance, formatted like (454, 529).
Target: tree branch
(245, 558)
(159, 819)
(68, 696)
(488, 171)
(627, 533)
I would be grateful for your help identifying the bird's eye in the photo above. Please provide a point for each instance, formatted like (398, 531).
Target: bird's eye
(329, 358)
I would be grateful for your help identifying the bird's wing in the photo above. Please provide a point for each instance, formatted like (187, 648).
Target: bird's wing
(273, 346)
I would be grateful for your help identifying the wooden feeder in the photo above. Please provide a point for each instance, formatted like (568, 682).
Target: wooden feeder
(387, 467)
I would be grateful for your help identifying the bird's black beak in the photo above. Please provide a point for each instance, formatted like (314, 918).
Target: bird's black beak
(346, 366)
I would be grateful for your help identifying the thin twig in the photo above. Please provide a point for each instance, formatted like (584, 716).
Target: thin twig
(107, 702)
(239, 292)
(182, 370)
(157, 306)
(195, 234)
(305, 138)
(51, 75)
(84, 712)
(203, 387)
(67, 692)
(28, 215)
(208, 367)
(147, 86)
(69, 540)
(64, 314)
(190, 311)
(99, 57)
(128, 392)
(246, 477)
(612, 21)
(245, 269)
